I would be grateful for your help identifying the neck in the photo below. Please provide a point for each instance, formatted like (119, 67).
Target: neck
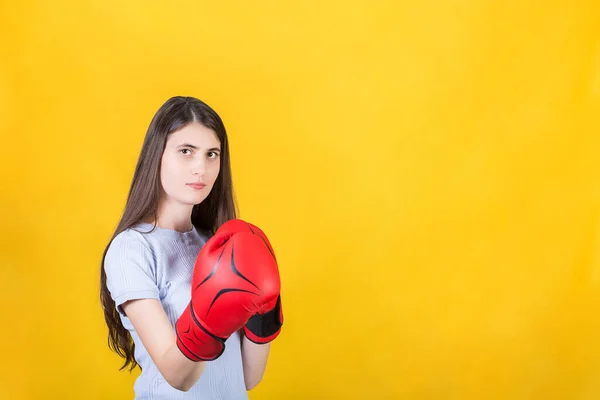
(177, 217)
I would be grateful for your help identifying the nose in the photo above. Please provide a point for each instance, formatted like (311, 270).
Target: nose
(199, 167)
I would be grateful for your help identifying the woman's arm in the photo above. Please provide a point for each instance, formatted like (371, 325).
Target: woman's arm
(254, 360)
(159, 338)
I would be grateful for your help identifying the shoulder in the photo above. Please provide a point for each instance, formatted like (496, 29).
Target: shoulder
(130, 267)
(128, 239)
(132, 244)
(135, 233)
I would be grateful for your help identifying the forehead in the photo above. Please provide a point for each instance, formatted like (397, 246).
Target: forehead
(195, 134)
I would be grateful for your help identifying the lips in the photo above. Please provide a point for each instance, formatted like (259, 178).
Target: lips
(197, 185)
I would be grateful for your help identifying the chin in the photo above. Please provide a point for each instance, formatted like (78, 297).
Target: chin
(197, 200)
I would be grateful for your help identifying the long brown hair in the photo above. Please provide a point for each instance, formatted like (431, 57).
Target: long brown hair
(142, 201)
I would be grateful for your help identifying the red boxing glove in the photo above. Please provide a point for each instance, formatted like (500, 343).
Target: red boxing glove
(264, 326)
(235, 277)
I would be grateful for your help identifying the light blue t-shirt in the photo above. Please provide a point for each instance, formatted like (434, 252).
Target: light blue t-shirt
(159, 265)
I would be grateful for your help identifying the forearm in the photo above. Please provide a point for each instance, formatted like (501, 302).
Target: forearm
(254, 361)
(180, 372)
(160, 340)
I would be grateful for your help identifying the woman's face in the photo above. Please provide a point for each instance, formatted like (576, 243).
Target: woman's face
(190, 164)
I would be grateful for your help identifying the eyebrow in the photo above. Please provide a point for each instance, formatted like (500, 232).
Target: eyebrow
(196, 147)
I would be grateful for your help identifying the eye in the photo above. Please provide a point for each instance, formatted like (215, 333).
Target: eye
(213, 154)
(186, 151)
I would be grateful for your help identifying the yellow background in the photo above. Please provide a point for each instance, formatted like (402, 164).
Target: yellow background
(427, 172)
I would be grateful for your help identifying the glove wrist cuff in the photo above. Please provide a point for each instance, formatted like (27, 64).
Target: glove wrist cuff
(194, 340)
(262, 329)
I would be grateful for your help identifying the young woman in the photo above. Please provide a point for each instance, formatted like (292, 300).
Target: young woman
(181, 194)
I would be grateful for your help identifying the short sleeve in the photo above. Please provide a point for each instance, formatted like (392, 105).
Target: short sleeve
(130, 268)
